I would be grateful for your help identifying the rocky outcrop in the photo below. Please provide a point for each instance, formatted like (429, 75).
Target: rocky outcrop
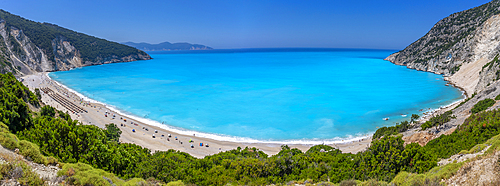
(21, 56)
(458, 47)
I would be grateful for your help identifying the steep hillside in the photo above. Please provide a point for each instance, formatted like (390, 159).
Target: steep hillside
(28, 46)
(459, 46)
(167, 46)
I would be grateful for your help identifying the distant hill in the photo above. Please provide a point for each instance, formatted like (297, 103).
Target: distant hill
(167, 46)
(27, 47)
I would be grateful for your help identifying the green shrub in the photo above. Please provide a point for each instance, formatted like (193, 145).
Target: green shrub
(22, 172)
(31, 150)
(175, 183)
(47, 110)
(9, 140)
(84, 174)
(482, 105)
(498, 97)
(438, 120)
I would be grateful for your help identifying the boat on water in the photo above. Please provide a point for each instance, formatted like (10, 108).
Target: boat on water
(385, 119)
(403, 115)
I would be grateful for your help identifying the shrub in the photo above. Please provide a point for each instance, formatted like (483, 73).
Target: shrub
(20, 171)
(9, 140)
(84, 174)
(48, 111)
(438, 120)
(482, 105)
(175, 183)
(31, 150)
(498, 97)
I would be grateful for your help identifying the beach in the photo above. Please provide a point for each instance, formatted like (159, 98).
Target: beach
(99, 114)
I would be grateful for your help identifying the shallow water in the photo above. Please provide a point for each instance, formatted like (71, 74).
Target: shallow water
(265, 94)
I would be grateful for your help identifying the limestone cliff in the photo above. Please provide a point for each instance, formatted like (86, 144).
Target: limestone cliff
(459, 46)
(46, 47)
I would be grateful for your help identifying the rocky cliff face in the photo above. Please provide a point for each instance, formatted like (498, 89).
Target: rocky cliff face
(458, 47)
(21, 56)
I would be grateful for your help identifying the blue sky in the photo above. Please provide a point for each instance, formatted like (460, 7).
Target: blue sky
(388, 24)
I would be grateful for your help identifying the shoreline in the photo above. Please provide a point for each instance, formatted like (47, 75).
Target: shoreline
(219, 137)
(96, 116)
(352, 144)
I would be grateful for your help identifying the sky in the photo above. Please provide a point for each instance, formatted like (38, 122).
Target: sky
(226, 24)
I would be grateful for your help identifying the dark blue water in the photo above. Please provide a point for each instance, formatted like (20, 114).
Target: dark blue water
(265, 94)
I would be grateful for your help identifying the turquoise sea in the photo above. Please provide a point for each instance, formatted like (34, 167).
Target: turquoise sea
(286, 95)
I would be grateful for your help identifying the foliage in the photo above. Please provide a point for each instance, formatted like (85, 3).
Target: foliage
(176, 183)
(14, 111)
(47, 110)
(113, 132)
(20, 171)
(476, 129)
(90, 151)
(482, 105)
(83, 174)
(392, 130)
(43, 34)
(438, 120)
(497, 97)
(465, 101)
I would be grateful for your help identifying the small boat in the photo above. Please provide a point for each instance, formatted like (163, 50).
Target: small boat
(385, 119)
(403, 115)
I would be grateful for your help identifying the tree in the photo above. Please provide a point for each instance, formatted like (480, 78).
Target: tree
(113, 132)
(414, 117)
(47, 110)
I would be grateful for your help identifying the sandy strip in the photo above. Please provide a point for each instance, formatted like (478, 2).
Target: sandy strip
(96, 116)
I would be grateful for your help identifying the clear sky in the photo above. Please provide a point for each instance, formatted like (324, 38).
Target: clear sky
(386, 24)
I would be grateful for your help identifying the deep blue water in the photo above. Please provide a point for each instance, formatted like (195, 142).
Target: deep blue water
(265, 94)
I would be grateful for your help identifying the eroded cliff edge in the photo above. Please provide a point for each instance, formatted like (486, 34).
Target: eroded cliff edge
(27, 47)
(462, 47)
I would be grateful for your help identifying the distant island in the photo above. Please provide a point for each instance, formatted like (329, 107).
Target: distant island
(167, 46)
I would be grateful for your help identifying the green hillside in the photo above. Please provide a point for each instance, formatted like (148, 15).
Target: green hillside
(91, 48)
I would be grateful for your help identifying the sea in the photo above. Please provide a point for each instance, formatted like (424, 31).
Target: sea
(308, 96)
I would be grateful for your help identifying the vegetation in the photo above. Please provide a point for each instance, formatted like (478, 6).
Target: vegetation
(482, 105)
(465, 101)
(393, 130)
(438, 120)
(84, 174)
(42, 35)
(93, 156)
(497, 97)
(476, 129)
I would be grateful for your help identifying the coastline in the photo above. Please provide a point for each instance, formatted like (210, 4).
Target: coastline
(217, 143)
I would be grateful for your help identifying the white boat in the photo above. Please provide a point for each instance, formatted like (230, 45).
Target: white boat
(385, 119)
(403, 115)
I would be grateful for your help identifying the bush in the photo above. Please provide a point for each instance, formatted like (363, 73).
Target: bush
(438, 120)
(30, 150)
(21, 172)
(84, 174)
(48, 111)
(482, 105)
(9, 140)
(175, 183)
(498, 97)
